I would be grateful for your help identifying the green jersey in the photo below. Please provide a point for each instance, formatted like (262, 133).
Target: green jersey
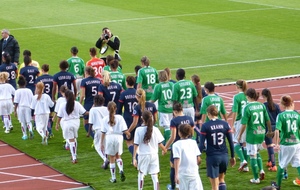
(76, 66)
(184, 91)
(288, 123)
(239, 103)
(147, 77)
(255, 117)
(118, 77)
(163, 93)
(107, 68)
(215, 100)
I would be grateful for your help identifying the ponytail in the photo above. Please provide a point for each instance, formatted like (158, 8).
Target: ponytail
(196, 81)
(112, 107)
(241, 84)
(147, 117)
(267, 93)
(140, 93)
(39, 90)
(70, 102)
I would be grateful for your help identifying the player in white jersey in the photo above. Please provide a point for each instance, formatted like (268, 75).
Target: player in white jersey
(41, 104)
(113, 128)
(69, 119)
(186, 160)
(147, 139)
(22, 101)
(96, 115)
(6, 104)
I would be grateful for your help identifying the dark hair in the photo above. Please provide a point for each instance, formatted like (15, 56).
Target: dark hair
(114, 64)
(212, 110)
(109, 58)
(63, 65)
(112, 107)
(74, 50)
(7, 57)
(177, 107)
(145, 60)
(22, 81)
(63, 89)
(137, 68)
(93, 51)
(180, 74)
(267, 93)
(286, 101)
(99, 100)
(251, 93)
(90, 71)
(105, 28)
(185, 130)
(196, 81)
(70, 101)
(242, 85)
(130, 80)
(148, 121)
(45, 67)
(210, 86)
(27, 52)
(27, 60)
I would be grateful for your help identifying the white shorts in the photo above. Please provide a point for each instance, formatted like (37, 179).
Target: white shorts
(252, 149)
(24, 114)
(41, 121)
(148, 164)
(190, 183)
(70, 128)
(6, 107)
(114, 144)
(165, 119)
(237, 127)
(189, 112)
(289, 154)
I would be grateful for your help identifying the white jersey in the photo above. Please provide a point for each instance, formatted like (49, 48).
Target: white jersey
(117, 129)
(23, 97)
(43, 105)
(78, 110)
(59, 102)
(152, 146)
(6, 91)
(96, 116)
(188, 156)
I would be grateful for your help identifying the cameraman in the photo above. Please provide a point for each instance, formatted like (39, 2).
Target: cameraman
(108, 44)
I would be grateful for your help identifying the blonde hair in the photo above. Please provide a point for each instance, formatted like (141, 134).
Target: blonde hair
(140, 93)
(39, 89)
(163, 76)
(4, 76)
(106, 78)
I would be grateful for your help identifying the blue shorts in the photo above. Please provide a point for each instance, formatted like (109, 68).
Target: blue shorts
(216, 164)
(268, 140)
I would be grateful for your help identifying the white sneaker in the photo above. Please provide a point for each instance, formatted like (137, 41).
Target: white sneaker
(246, 169)
(7, 131)
(255, 181)
(243, 165)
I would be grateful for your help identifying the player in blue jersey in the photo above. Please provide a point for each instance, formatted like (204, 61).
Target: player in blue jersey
(179, 118)
(48, 86)
(128, 101)
(11, 68)
(215, 132)
(30, 73)
(89, 89)
(109, 90)
(63, 78)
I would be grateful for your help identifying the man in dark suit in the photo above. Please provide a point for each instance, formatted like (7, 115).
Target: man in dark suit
(9, 44)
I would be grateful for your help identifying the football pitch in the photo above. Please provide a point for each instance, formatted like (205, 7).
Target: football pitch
(219, 40)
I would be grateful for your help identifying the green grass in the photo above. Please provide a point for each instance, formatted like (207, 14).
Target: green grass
(224, 40)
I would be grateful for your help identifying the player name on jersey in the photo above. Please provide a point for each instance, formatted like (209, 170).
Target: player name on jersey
(184, 83)
(149, 70)
(214, 127)
(291, 116)
(256, 107)
(31, 70)
(92, 82)
(64, 77)
(130, 96)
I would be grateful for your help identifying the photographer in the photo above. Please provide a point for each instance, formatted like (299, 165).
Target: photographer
(108, 44)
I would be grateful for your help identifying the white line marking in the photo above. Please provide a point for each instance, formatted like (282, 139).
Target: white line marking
(268, 5)
(138, 19)
(22, 166)
(3, 144)
(26, 179)
(10, 155)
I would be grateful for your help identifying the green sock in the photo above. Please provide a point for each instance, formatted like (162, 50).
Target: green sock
(253, 162)
(259, 162)
(167, 135)
(239, 152)
(279, 175)
(246, 156)
(298, 169)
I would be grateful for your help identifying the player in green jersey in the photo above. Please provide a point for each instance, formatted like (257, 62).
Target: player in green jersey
(147, 77)
(254, 120)
(287, 128)
(239, 103)
(212, 99)
(110, 58)
(76, 67)
(163, 93)
(184, 92)
(115, 75)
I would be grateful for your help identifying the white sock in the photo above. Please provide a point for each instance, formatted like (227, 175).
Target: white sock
(29, 126)
(140, 181)
(155, 181)
(113, 170)
(6, 122)
(24, 129)
(73, 150)
(120, 164)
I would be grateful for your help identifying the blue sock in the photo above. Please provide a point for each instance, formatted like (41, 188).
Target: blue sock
(130, 148)
(222, 186)
(49, 127)
(172, 178)
(271, 155)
